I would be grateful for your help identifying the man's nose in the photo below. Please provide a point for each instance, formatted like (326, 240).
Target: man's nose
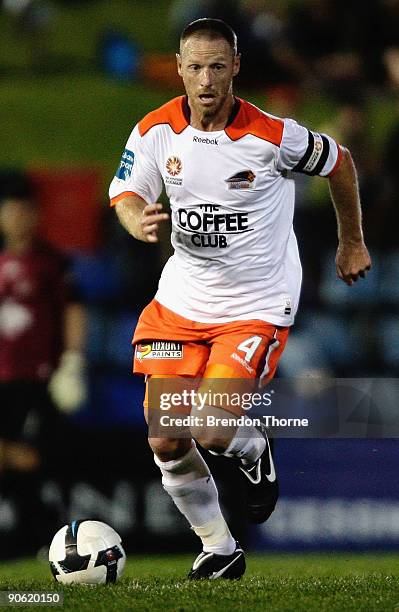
(206, 77)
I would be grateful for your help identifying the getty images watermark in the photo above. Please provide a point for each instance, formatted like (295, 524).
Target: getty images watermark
(210, 420)
(190, 398)
(309, 407)
(197, 401)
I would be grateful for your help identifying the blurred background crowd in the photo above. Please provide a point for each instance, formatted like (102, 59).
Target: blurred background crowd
(75, 76)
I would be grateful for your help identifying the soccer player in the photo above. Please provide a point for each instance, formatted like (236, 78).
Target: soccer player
(229, 293)
(42, 334)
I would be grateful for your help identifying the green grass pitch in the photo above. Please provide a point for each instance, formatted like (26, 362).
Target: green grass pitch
(333, 582)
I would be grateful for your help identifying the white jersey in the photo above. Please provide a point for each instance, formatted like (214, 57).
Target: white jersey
(232, 197)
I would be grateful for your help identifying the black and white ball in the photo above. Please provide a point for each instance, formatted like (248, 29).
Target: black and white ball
(86, 552)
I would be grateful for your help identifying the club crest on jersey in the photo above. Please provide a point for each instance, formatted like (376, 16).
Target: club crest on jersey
(126, 166)
(173, 167)
(159, 349)
(241, 180)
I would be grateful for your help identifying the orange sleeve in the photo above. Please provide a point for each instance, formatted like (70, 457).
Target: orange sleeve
(124, 194)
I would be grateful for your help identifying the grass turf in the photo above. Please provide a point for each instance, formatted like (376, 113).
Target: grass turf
(334, 582)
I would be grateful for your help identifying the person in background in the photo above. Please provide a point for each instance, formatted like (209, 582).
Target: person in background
(42, 338)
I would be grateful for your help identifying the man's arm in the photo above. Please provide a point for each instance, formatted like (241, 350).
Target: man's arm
(352, 260)
(75, 326)
(140, 219)
(68, 384)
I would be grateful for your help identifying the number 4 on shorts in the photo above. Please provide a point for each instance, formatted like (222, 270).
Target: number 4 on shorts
(249, 347)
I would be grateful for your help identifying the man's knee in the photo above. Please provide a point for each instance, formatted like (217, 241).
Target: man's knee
(211, 439)
(214, 444)
(167, 449)
(212, 428)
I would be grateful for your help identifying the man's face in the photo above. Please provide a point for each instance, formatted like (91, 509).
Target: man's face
(18, 219)
(207, 68)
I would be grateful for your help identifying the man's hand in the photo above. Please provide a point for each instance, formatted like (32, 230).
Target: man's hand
(68, 386)
(150, 220)
(353, 259)
(352, 262)
(140, 219)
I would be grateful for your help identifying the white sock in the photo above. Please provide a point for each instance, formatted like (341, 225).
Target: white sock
(248, 444)
(192, 488)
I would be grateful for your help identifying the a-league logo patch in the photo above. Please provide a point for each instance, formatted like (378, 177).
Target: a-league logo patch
(173, 167)
(159, 349)
(126, 166)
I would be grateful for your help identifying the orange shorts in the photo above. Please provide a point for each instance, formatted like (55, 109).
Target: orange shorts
(167, 344)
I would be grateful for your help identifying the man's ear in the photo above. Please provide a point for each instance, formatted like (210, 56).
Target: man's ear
(236, 64)
(178, 61)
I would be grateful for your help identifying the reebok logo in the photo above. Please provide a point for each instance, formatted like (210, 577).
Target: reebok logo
(211, 141)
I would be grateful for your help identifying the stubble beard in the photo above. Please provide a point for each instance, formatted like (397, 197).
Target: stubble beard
(210, 113)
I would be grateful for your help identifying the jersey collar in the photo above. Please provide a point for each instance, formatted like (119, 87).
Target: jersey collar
(233, 114)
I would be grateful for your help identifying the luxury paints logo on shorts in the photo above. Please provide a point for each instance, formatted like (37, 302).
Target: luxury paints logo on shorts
(159, 349)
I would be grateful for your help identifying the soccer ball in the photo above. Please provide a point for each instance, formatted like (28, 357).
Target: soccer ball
(86, 552)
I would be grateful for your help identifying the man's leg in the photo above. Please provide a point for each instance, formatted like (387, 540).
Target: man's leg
(252, 449)
(185, 475)
(246, 443)
(187, 479)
